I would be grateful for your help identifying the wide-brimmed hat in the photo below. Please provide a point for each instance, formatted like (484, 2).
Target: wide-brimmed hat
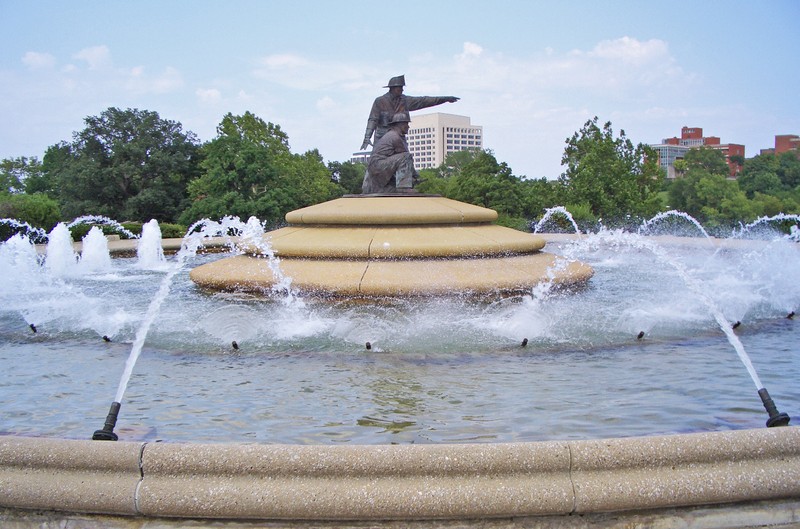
(400, 117)
(400, 80)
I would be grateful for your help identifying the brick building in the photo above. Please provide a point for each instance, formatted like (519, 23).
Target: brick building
(786, 143)
(674, 148)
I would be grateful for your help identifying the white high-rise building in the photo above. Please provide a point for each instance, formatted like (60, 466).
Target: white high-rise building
(431, 137)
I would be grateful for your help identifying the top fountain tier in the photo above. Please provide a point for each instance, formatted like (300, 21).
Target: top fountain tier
(391, 210)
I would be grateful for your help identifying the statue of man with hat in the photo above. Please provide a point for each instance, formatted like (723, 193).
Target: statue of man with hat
(391, 166)
(394, 102)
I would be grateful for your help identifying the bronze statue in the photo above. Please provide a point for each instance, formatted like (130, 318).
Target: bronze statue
(391, 166)
(394, 102)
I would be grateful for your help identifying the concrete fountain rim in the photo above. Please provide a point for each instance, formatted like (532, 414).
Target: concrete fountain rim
(239, 481)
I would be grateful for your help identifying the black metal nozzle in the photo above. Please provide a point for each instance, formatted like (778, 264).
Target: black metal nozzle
(776, 418)
(107, 433)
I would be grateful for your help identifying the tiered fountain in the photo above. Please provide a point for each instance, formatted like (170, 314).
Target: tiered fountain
(622, 397)
(383, 246)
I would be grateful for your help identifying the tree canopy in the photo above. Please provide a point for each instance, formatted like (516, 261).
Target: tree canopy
(249, 170)
(133, 165)
(610, 176)
(126, 163)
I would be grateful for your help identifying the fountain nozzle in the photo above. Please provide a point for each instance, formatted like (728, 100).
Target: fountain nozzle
(107, 433)
(776, 418)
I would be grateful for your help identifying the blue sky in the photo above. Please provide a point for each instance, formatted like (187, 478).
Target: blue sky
(530, 72)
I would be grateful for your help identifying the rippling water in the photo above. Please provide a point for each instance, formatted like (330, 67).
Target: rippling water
(442, 370)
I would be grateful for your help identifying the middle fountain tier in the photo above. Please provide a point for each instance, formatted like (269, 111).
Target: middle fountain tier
(375, 246)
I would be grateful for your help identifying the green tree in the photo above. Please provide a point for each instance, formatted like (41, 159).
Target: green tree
(538, 195)
(708, 159)
(478, 178)
(37, 209)
(706, 193)
(772, 183)
(17, 174)
(789, 169)
(128, 164)
(348, 175)
(249, 170)
(610, 175)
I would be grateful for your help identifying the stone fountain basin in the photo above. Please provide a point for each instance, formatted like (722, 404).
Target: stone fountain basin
(378, 246)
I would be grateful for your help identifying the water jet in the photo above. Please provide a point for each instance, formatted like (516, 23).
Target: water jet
(107, 432)
(776, 418)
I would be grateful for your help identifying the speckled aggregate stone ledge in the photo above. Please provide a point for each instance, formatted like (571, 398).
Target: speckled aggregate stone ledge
(399, 482)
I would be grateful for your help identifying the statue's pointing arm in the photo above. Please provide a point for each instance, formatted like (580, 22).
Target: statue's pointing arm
(416, 103)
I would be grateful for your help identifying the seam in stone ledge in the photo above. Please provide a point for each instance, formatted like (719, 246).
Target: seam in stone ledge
(141, 480)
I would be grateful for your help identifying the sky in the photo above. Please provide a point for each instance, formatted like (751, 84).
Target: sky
(530, 72)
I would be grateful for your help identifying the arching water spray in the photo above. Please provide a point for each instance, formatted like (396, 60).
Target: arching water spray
(252, 233)
(548, 214)
(639, 242)
(765, 221)
(33, 233)
(98, 219)
(646, 226)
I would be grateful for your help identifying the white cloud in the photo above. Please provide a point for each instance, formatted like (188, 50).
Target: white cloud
(630, 50)
(38, 61)
(528, 102)
(137, 81)
(470, 49)
(208, 95)
(326, 103)
(303, 73)
(97, 57)
(286, 60)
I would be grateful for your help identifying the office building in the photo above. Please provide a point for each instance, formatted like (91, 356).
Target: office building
(431, 137)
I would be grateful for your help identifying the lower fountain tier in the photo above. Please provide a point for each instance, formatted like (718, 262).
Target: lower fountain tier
(382, 278)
